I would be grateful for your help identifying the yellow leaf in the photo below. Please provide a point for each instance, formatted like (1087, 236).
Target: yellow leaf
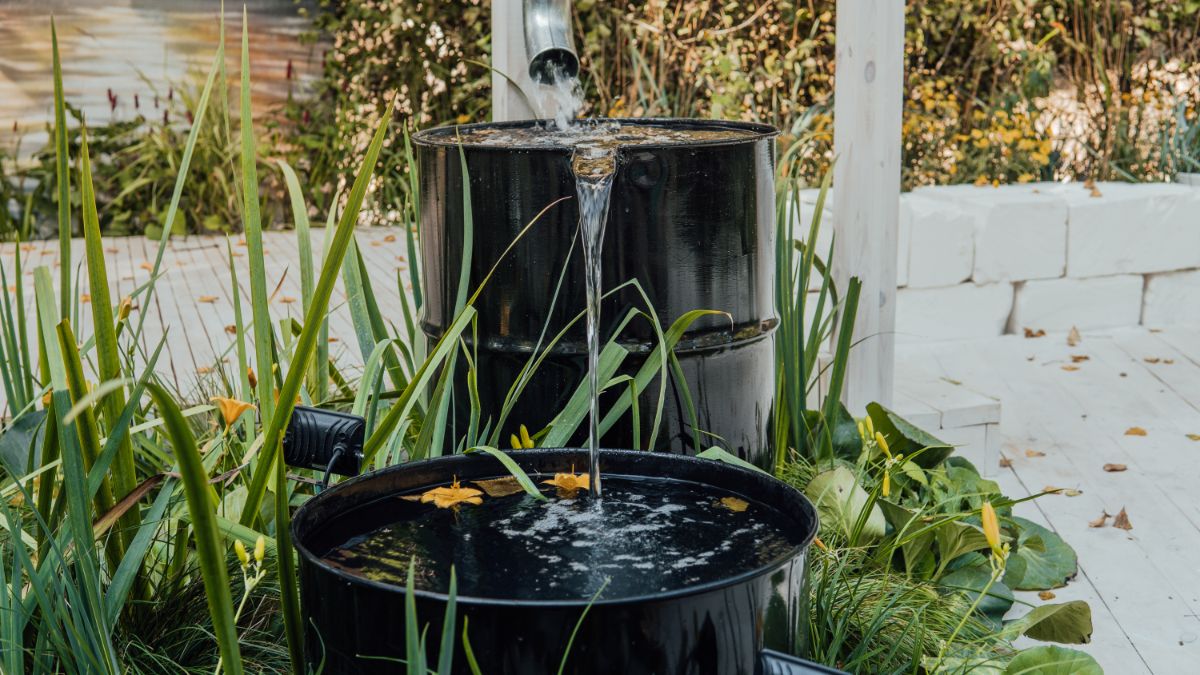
(1193, 437)
(446, 497)
(207, 299)
(1070, 369)
(231, 408)
(1135, 431)
(1034, 453)
(1046, 595)
(734, 504)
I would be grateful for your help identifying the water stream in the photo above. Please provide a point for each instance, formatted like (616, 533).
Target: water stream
(594, 166)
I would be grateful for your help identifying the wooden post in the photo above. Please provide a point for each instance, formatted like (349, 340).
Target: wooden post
(868, 95)
(508, 57)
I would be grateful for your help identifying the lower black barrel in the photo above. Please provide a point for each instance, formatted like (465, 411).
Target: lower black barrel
(692, 223)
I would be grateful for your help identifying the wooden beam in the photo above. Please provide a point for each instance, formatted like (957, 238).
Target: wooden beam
(868, 92)
(508, 57)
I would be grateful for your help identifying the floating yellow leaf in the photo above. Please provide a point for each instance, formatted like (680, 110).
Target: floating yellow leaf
(500, 487)
(231, 408)
(734, 504)
(451, 496)
(1135, 431)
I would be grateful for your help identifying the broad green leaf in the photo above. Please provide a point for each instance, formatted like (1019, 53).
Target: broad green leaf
(1068, 623)
(1052, 660)
(21, 441)
(970, 579)
(1049, 561)
(905, 438)
(840, 500)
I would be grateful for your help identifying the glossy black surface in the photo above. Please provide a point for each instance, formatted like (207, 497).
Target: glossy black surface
(693, 224)
(715, 628)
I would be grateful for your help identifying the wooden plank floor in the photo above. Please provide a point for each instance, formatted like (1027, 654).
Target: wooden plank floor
(193, 301)
(1143, 584)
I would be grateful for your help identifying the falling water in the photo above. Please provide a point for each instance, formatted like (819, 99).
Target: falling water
(561, 100)
(594, 166)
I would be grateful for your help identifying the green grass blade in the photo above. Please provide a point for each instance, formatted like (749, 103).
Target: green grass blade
(210, 553)
(131, 564)
(259, 302)
(108, 357)
(63, 180)
(446, 652)
(515, 469)
(412, 632)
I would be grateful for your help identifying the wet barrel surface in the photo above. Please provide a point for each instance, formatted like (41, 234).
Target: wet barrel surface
(691, 223)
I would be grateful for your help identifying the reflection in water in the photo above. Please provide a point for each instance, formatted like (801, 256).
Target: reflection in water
(138, 47)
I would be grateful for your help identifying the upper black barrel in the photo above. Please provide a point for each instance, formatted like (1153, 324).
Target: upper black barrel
(692, 224)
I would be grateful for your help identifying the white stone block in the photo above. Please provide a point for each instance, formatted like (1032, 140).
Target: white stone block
(1131, 228)
(1020, 230)
(1172, 299)
(1188, 179)
(802, 221)
(961, 311)
(904, 240)
(1087, 304)
(969, 442)
(940, 243)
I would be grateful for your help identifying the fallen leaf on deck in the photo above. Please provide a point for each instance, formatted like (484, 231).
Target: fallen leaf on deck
(446, 497)
(1121, 520)
(390, 238)
(1151, 359)
(1135, 431)
(952, 381)
(231, 329)
(1095, 192)
(1089, 184)
(1068, 492)
(734, 504)
(1193, 437)
(1073, 338)
(333, 339)
(1031, 333)
(1079, 358)
(82, 298)
(500, 487)
(203, 370)
(27, 247)
(376, 244)
(1101, 521)
(287, 300)
(1070, 369)
(1005, 462)
(1046, 595)
(1114, 468)
(147, 266)
(1034, 453)
(1168, 361)
(207, 299)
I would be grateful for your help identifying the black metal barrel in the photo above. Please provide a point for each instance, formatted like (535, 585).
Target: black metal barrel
(356, 625)
(692, 223)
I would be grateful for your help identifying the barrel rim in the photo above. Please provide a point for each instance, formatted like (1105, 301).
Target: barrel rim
(301, 528)
(447, 136)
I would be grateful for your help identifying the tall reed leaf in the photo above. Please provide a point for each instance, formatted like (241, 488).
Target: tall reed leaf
(63, 178)
(210, 552)
(259, 302)
(124, 473)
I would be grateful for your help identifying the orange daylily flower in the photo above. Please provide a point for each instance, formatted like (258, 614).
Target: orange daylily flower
(447, 497)
(569, 482)
(231, 408)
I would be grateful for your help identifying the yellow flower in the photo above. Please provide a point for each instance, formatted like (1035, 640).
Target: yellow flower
(887, 483)
(1025, 178)
(260, 548)
(452, 496)
(991, 530)
(522, 442)
(463, 118)
(240, 550)
(124, 309)
(231, 408)
(569, 482)
(251, 377)
(883, 444)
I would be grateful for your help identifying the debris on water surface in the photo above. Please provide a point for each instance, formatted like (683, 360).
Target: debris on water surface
(734, 504)
(446, 497)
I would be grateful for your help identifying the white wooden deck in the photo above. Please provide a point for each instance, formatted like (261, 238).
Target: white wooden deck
(1143, 584)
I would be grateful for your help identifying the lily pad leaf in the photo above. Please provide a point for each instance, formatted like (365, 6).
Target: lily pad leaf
(907, 439)
(840, 501)
(1068, 623)
(957, 538)
(1049, 561)
(971, 580)
(1052, 660)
